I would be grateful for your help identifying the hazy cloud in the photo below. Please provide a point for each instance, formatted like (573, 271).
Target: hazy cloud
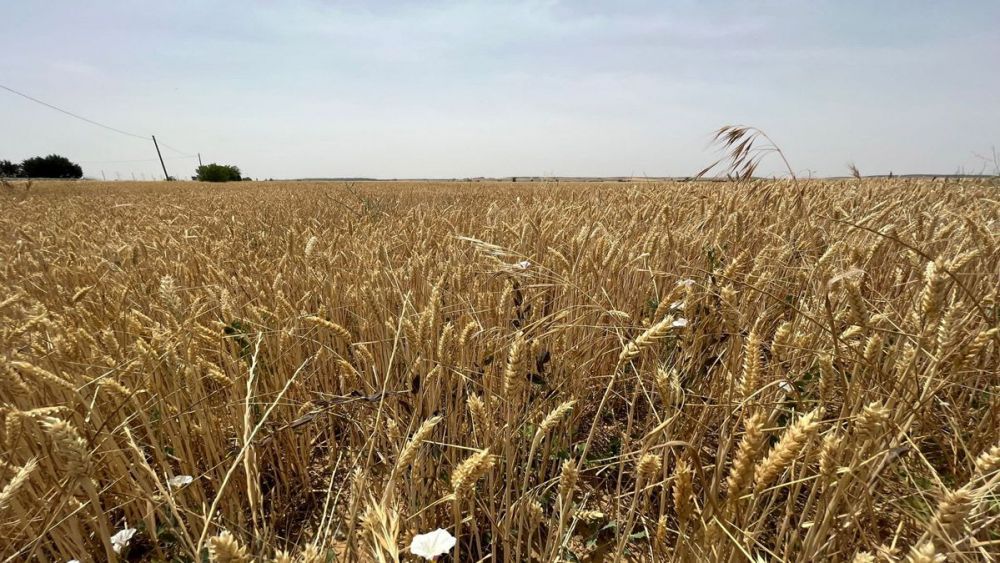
(452, 89)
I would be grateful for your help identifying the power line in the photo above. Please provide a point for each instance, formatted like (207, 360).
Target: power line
(136, 160)
(108, 127)
(71, 114)
(182, 153)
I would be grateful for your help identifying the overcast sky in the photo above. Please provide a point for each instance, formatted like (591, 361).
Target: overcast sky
(455, 89)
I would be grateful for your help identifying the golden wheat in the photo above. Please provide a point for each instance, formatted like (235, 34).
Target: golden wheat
(782, 370)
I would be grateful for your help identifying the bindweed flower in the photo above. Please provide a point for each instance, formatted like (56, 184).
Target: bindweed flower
(786, 386)
(524, 264)
(686, 282)
(677, 305)
(432, 544)
(121, 538)
(179, 481)
(679, 323)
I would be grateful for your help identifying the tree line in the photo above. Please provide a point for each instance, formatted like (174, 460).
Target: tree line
(52, 166)
(56, 166)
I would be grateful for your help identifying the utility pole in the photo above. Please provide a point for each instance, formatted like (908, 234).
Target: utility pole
(199, 160)
(165, 175)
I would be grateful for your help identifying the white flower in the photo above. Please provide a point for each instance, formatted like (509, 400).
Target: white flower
(179, 481)
(524, 264)
(679, 323)
(121, 539)
(686, 282)
(432, 544)
(786, 387)
(73, 561)
(677, 305)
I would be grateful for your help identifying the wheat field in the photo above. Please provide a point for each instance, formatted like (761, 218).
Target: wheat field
(700, 371)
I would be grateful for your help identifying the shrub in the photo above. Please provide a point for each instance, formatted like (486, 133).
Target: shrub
(52, 166)
(218, 173)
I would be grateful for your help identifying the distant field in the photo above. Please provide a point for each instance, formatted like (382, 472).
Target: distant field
(551, 371)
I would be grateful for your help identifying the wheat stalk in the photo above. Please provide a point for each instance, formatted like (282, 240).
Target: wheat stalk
(786, 450)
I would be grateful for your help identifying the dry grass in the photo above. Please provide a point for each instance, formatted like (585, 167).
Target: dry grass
(340, 368)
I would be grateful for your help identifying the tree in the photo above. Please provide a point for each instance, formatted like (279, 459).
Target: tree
(9, 169)
(218, 173)
(52, 166)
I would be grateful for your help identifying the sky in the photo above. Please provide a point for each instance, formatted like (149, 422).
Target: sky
(419, 89)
